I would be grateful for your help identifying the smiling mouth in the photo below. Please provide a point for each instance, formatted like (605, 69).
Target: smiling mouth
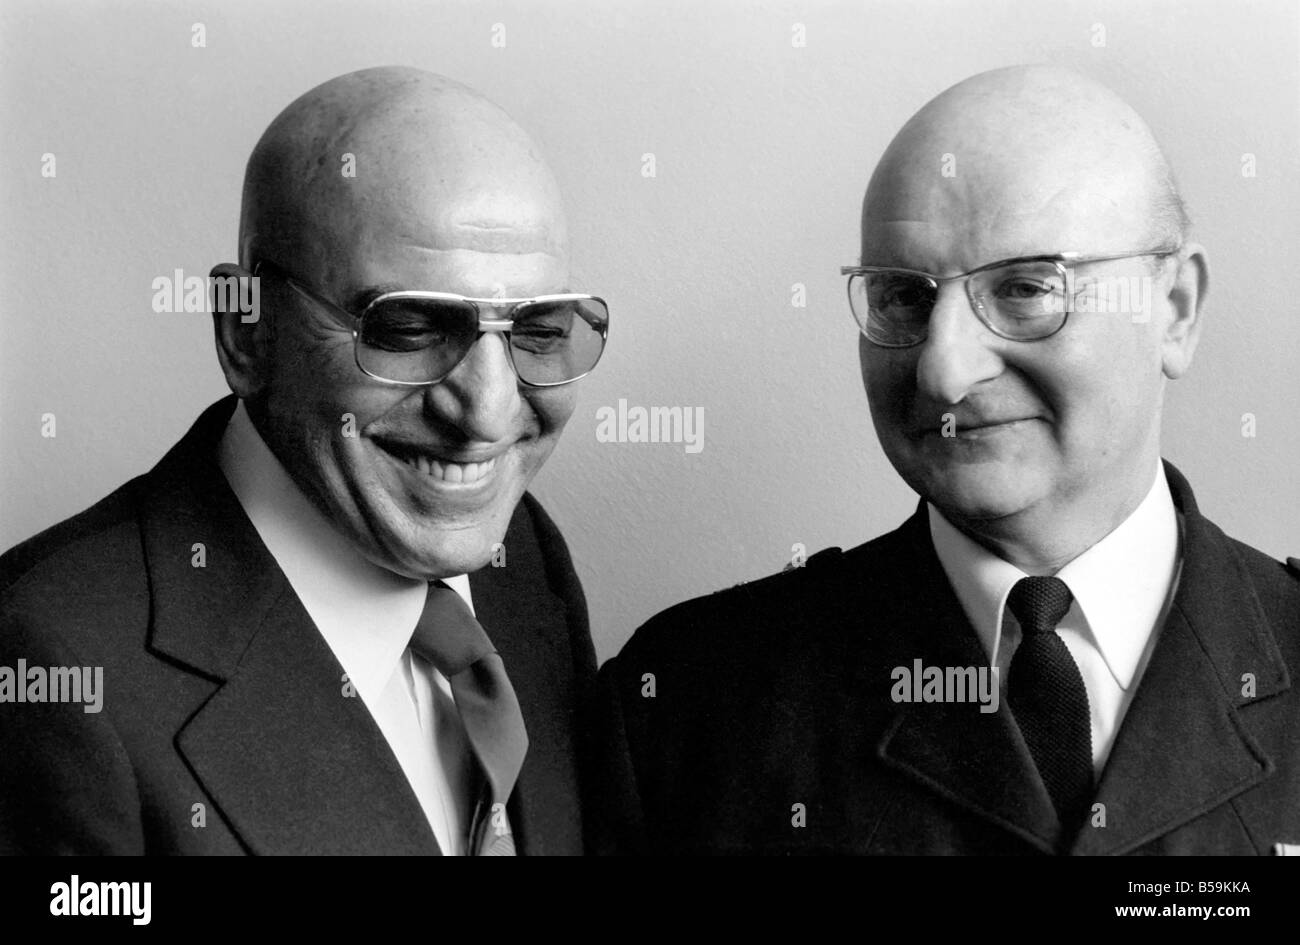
(975, 431)
(442, 470)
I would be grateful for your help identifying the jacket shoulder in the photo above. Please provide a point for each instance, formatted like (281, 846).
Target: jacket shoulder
(1276, 583)
(562, 579)
(556, 559)
(66, 554)
(792, 607)
(1266, 570)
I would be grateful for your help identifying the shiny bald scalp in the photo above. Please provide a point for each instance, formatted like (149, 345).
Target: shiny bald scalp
(433, 159)
(1032, 134)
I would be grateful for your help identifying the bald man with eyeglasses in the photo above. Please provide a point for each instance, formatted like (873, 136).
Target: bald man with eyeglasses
(1057, 653)
(332, 620)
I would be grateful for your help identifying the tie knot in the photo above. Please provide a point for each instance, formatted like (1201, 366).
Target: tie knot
(1039, 603)
(447, 635)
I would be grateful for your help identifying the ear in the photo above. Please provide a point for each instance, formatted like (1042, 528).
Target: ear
(243, 336)
(1186, 296)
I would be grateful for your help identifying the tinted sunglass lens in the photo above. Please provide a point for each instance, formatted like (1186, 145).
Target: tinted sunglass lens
(416, 340)
(557, 341)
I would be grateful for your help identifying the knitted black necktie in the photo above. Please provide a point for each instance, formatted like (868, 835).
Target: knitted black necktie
(1049, 701)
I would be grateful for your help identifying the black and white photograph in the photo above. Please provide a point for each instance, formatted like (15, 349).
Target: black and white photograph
(719, 428)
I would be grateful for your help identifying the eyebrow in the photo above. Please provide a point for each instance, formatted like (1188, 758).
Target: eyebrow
(1033, 257)
(357, 301)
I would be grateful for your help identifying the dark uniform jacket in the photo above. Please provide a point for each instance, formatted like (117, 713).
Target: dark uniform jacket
(760, 719)
(223, 703)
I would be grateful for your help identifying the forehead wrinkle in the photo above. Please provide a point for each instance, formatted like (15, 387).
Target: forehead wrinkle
(455, 269)
(540, 255)
(500, 237)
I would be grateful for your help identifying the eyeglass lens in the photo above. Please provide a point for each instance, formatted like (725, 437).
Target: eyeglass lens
(1019, 300)
(421, 340)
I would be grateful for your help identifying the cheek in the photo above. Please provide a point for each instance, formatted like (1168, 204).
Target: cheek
(313, 366)
(889, 379)
(552, 408)
(322, 401)
(1098, 393)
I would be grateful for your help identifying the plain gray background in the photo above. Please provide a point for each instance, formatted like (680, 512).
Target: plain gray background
(762, 150)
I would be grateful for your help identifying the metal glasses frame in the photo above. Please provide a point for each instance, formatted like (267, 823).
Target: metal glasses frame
(485, 325)
(1060, 260)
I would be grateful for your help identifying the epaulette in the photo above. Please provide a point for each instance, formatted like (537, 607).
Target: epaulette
(819, 559)
(823, 557)
(826, 556)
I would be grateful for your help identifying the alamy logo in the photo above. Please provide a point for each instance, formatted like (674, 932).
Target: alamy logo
(1123, 295)
(919, 683)
(83, 684)
(182, 293)
(651, 425)
(77, 898)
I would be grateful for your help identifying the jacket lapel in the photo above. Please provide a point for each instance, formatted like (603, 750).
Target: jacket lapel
(976, 760)
(293, 763)
(1182, 748)
(527, 624)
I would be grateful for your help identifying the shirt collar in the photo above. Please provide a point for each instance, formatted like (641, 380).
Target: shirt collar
(1120, 585)
(365, 613)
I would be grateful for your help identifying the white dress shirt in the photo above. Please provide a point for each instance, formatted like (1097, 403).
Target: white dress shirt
(366, 615)
(1122, 586)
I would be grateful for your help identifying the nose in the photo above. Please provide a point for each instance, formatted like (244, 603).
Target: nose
(481, 396)
(959, 351)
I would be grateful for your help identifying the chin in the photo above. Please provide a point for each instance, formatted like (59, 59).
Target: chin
(974, 493)
(442, 552)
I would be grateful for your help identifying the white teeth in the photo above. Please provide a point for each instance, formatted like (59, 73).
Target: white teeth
(461, 473)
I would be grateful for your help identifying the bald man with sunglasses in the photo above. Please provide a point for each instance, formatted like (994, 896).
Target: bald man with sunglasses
(332, 620)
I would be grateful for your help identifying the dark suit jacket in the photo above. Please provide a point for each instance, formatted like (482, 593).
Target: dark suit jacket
(220, 691)
(777, 693)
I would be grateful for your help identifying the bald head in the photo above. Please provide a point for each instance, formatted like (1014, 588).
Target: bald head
(1028, 159)
(1024, 403)
(388, 181)
(396, 153)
